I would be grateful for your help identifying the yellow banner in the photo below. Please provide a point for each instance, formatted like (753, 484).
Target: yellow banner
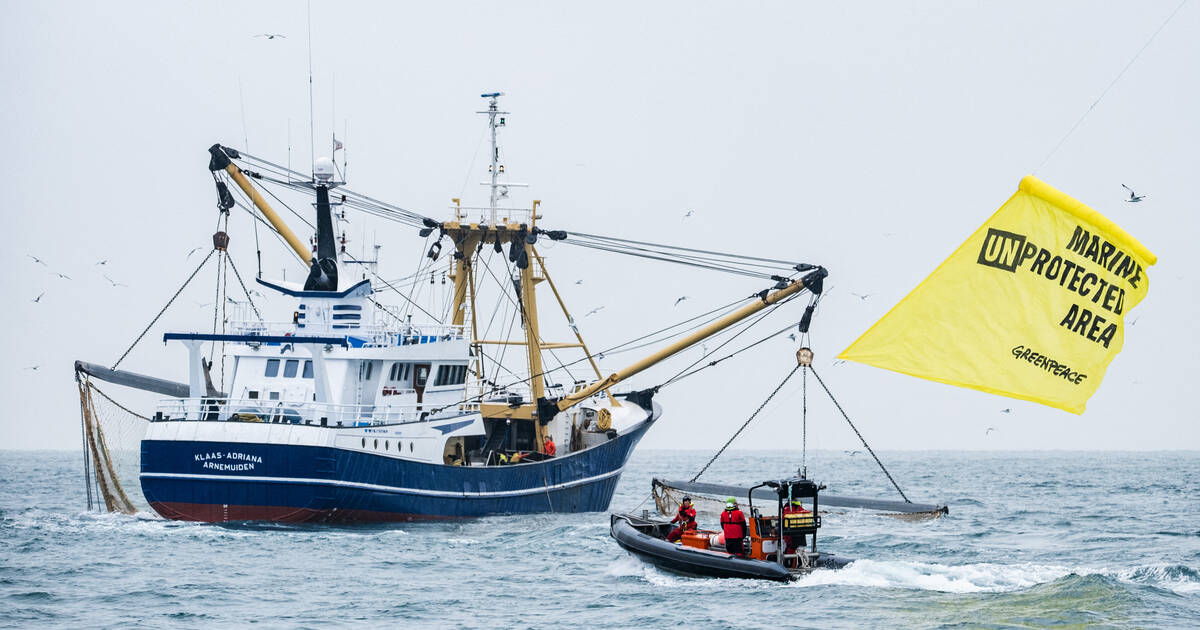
(1032, 306)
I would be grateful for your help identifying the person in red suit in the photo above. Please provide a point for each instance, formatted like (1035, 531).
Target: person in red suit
(733, 524)
(794, 541)
(548, 447)
(686, 517)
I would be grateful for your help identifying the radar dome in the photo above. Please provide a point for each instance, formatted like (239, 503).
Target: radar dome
(323, 169)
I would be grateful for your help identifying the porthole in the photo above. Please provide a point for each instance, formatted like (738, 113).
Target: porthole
(364, 442)
(410, 447)
(376, 444)
(386, 445)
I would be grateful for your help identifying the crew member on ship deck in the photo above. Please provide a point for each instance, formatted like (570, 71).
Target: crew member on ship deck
(548, 447)
(686, 517)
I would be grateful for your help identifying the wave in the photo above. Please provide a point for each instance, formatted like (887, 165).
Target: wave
(1174, 577)
(993, 578)
(966, 578)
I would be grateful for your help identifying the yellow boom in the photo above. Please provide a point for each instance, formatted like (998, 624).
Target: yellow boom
(682, 344)
(298, 246)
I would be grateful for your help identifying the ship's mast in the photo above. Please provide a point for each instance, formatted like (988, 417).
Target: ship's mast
(496, 168)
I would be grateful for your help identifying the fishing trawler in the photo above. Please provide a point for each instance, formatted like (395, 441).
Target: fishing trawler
(350, 410)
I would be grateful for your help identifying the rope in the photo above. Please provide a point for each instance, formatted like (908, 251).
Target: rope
(119, 405)
(860, 437)
(746, 423)
(224, 303)
(1110, 86)
(685, 249)
(804, 423)
(83, 419)
(164, 309)
(397, 291)
(216, 309)
(728, 356)
(244, 290)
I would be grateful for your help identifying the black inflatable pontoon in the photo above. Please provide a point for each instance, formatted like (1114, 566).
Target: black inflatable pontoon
(646, 538)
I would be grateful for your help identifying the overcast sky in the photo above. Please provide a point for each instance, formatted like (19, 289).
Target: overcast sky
(871, 138)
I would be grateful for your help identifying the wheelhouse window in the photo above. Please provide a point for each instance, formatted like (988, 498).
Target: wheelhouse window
(253, 394)
(451, 375)
(272, 368)
(308, 369)
(290, 367)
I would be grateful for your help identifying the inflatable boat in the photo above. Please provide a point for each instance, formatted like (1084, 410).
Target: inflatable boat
(776, 549)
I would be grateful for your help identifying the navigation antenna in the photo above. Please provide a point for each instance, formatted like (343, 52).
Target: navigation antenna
(496, 167)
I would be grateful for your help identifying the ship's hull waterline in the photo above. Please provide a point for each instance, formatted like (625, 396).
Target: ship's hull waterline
(214, 481)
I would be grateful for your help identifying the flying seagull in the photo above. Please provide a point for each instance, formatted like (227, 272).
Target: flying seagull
(580, 281)
(114, 282)
(989, 430)
(852, 453)
(1007, 410)
(62, 275)
(270, 36)
(689, 213)
(38, 298)
(862, 297)
(194, 251)
(1133, 197)
(33, 367)
(101, 262)
(839, 361)
(37, 260)
(595, 310)
(680, 299)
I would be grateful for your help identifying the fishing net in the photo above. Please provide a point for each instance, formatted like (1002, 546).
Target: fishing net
(667, 499)
(112, 435)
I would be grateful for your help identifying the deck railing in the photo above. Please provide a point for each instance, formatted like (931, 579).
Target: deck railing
(298, 412)
(373, 335)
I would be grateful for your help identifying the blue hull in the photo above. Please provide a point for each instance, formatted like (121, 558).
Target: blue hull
(278, 482)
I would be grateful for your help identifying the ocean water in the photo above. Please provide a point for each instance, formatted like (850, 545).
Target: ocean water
(1056, 539)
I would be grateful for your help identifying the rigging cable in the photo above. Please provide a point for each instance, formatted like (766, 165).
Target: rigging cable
(251, 300)
(1109, 87)
(728, 356)
(860, 437)
(746, 423)
(164, 309)
(804, 424)
(679, 375)
(686, 249)
(389, 285)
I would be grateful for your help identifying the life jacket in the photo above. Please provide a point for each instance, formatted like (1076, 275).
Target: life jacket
(733, 523)
(686, 517)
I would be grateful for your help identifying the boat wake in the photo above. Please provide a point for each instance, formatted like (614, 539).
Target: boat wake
(993, 578)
